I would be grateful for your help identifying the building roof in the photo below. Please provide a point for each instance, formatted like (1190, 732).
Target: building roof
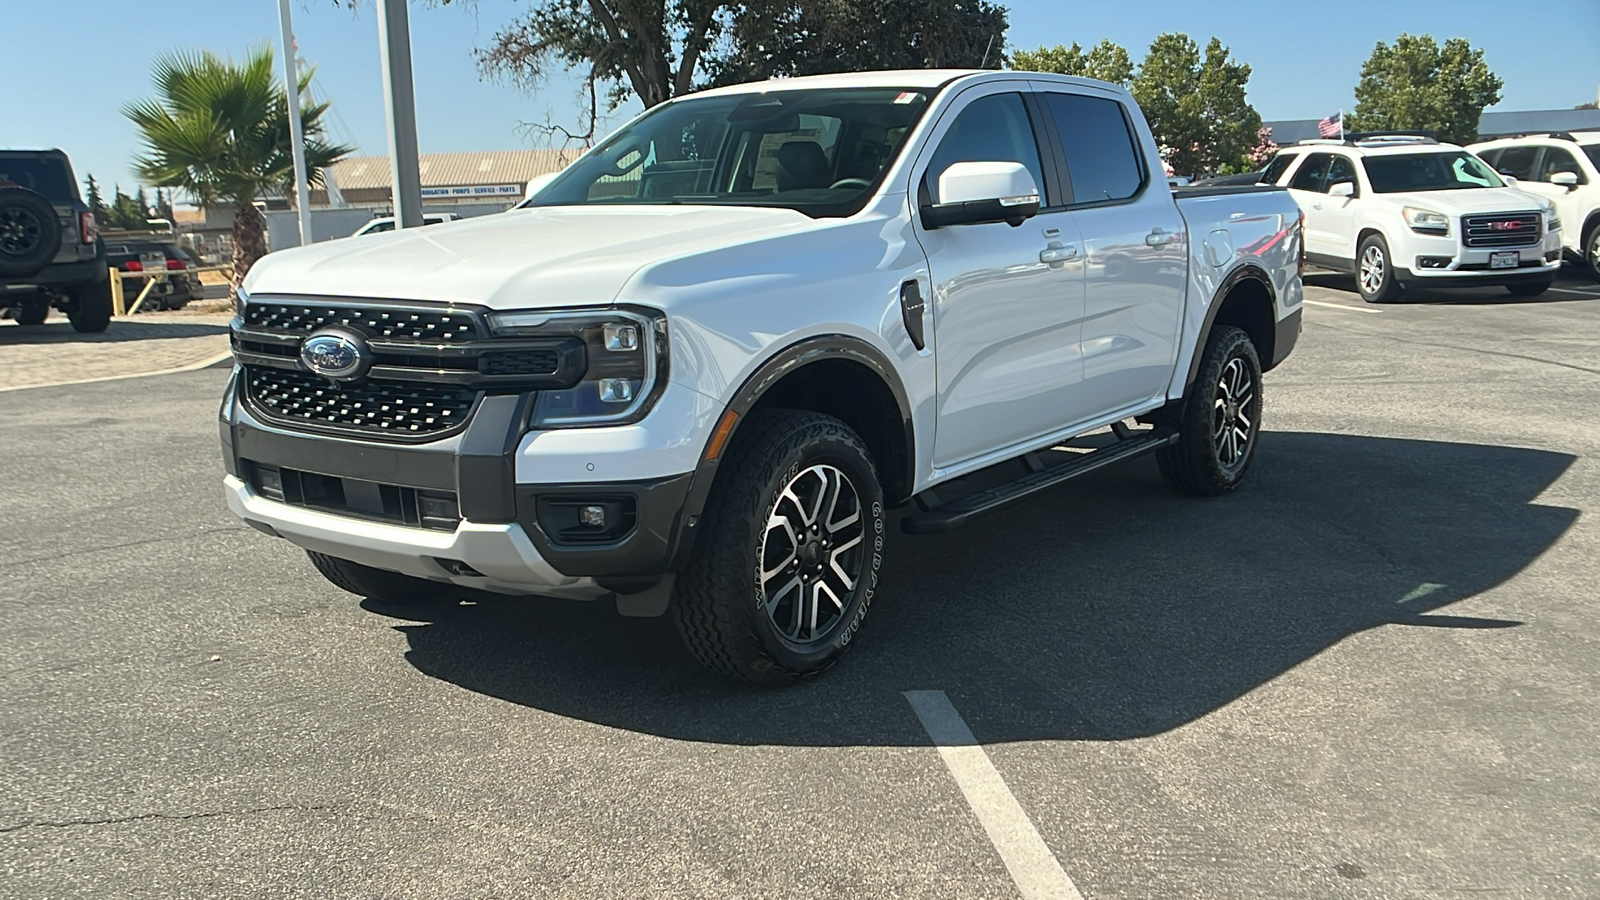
(455, 169)
(1291, 130)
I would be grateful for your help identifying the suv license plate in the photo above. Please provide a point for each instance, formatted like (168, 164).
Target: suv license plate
(1506, 260)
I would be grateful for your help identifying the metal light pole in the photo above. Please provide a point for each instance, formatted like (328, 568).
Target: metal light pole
(291, 83)
(400, 107)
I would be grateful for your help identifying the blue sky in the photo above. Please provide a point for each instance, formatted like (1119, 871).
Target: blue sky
(81, 60)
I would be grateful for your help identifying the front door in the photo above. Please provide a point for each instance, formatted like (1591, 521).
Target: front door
(1007, 321)
(1552, 162)
(1307, 187)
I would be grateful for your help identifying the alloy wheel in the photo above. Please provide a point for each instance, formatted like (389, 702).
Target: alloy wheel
(1233, 414)
(1372, 270)
(20, 231)
(811, 554)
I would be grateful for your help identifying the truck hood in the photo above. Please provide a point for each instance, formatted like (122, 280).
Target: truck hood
(1471, 202)
(541, 257)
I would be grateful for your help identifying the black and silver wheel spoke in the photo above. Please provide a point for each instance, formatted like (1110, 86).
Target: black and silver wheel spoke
(1372, 265)
(811, 553)
(1232, 414)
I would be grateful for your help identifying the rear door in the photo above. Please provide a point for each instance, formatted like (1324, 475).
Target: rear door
(1006, 321)
(1135, 246)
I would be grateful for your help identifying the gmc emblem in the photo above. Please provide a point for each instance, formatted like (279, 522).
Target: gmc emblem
(1505, 226)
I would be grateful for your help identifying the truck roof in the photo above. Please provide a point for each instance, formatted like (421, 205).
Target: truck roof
(901, 78)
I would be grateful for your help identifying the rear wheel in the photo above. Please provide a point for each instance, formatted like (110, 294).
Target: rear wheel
(378, 584)
(1221, 419)
(89, 306)
(1531, 288)
(1375, 271)
(787, 562)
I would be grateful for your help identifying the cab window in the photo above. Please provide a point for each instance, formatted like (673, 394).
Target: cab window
(995, 128)
(1517, 162)
(1277, 167)
(1309, 177)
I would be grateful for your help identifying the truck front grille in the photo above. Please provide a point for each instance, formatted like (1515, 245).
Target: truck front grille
(394, 323)
(400, 410)
(1502, 230)
(393, 503)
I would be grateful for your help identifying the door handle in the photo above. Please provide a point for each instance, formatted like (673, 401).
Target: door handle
(1058, 254)
(1160, 238)
(1316, 206)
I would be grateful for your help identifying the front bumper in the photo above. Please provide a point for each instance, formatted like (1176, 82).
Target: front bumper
(1444, 260)
(499, 532)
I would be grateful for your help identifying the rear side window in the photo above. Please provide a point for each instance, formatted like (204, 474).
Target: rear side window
(1102, 158)
(1277, 167)
(44, 174)
(995, 128)
(1309, 176)
(1517, 162)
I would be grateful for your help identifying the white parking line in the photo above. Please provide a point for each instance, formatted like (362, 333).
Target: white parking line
(1033, 867)
(1343, 306)
(1589, 294)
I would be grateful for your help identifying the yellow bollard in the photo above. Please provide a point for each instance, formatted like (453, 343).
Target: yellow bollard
(149, 283)
(116, 293)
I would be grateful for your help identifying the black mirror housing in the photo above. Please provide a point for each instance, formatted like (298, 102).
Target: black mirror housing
(977, 212)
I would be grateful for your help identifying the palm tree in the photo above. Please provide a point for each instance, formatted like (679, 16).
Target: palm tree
(220, 130)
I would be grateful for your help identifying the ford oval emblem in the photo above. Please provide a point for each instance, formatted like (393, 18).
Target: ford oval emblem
(341, 355)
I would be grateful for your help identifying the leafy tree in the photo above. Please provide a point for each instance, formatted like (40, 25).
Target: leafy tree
(1590, 105)
(220, 130)
(654, 50)
(1197, 105)
(1416, 84)
(95, 200)
(124, 211)
(783, 38)
(1105, 61)
(143, 204)
(164, 204)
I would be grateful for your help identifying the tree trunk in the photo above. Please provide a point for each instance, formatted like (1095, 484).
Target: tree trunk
(249, 244)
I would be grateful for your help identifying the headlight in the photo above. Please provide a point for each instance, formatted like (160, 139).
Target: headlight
(1552, 222)
(626, 352)
(1426, 221)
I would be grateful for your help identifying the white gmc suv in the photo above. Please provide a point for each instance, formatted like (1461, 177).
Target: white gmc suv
(1563, 168)
(1400, 210)
(699, 369)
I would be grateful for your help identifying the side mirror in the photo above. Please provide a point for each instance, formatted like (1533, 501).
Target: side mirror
(1568, 180)
(537, 183)
(1343, 189)
(1508, 178)
(976, 193)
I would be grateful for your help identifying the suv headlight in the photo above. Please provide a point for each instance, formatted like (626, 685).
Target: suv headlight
(1426, 221)
(626, 352)
(1552, 221)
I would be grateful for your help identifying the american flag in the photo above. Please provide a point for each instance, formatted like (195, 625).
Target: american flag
(1332, 126)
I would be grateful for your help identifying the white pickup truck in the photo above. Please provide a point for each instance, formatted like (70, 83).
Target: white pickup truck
(699, 370)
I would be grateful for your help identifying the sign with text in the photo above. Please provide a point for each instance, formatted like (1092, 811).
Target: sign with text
(475, 190)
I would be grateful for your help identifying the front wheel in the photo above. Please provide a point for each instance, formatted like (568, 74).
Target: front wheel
(1591, 251)
(1375, 271)
(787, 563)
(1221, 419)
(1531, 288)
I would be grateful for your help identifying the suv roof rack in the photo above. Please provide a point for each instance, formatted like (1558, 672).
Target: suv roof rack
(1554, 135)
(1391, 137)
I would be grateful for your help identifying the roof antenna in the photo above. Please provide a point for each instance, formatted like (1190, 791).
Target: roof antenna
(985, 63)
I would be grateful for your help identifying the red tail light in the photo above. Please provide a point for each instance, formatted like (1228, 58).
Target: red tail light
(88, 229)
(176, 264)
(133, 265)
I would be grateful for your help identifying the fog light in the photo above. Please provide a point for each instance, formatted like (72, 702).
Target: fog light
(592, 516)
(1433, 262)
(622, 338)
(616, 390)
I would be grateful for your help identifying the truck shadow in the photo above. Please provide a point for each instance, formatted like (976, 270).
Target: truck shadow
(1573, 284)
(1106, 610)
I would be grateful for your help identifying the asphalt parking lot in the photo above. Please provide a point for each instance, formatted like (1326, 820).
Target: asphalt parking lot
(1374, 672)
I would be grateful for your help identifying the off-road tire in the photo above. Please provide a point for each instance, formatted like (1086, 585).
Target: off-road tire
(30, 234)
(720, 601)
(365, 581)
(1383, 288)
(1194, 464)
(89, 306)
(33, 310)
(1531, 288)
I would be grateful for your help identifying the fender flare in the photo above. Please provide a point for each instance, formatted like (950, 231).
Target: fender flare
(1248, 271)
(778, 366)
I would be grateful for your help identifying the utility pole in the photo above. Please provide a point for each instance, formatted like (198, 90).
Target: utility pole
(400, 108)
(291, 83)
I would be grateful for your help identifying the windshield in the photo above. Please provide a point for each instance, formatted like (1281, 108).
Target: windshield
(820, 152)
(1428, 172)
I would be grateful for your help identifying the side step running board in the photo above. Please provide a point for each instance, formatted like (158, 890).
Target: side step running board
(952, 515)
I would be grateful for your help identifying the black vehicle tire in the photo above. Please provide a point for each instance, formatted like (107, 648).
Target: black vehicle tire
(33, 310)
(1220, 421)
(1531, 288)
(89, 306)
(30, 234)
(787, 470)
(391, 587)
(1591, 250)
(1375, 271)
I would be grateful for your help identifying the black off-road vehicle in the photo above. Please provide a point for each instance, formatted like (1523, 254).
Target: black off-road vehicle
(50, 249)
